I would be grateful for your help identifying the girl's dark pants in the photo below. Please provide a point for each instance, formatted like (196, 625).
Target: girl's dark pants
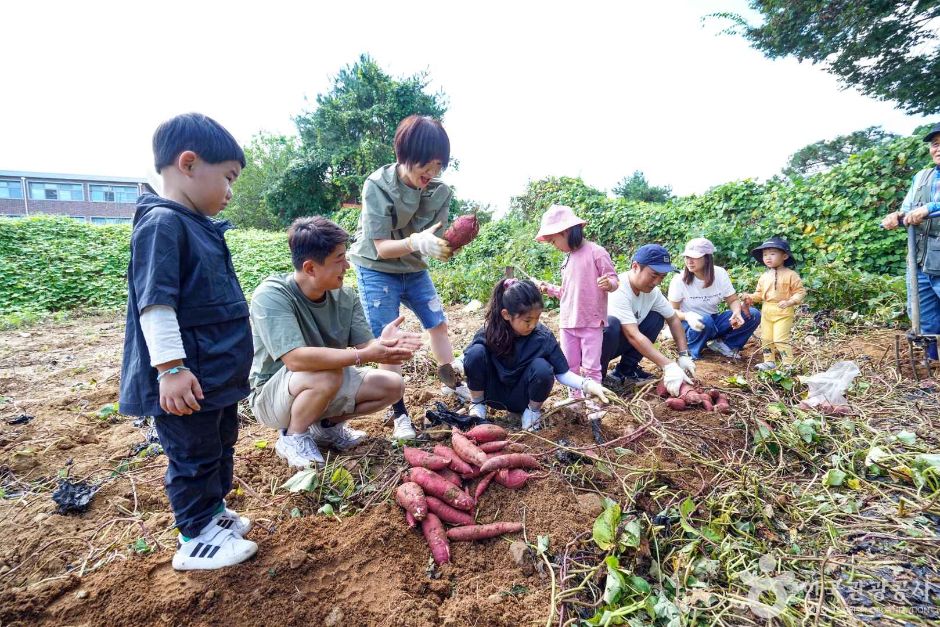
(535, 384)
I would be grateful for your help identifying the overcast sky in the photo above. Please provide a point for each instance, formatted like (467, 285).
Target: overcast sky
(590, 89)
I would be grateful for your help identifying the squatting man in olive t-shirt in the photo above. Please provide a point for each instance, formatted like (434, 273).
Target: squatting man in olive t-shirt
(311, 340)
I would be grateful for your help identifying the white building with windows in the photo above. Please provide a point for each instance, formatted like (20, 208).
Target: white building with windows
(89, 198)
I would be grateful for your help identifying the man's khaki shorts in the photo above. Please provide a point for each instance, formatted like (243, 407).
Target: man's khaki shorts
(271, 404)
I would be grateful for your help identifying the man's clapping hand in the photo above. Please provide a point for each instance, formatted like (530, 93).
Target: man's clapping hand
(394, 346)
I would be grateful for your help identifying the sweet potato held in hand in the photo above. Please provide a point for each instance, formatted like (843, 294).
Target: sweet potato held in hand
(463, 231)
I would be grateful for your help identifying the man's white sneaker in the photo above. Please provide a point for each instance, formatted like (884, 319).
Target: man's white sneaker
(214, 548)
(229, 519)
(342, 437)
(300, 450)
(403, 429)
(767, 365)
(531, 420)
(462, 392)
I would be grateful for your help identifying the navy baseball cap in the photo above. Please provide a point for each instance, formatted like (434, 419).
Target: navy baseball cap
(933, 133)
(654, 256)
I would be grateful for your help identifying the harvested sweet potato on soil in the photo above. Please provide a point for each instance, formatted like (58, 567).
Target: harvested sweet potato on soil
(512, 478)
(456, 464)
(436, 538)
(482, 532)
(486, 433)
(467, 450)
(483, 484)
(511, 460)
(417, 457)
(451, 476)
(493, 447)
(436, 485)
(448, 514)
(411, 497)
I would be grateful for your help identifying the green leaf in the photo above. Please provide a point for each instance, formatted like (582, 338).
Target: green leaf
(306, 479)
(343, 480)
(834, 477)
(630, 537)
(326, 509)
(541, 544)
(614, 585)
(605, 527)
(907, 437)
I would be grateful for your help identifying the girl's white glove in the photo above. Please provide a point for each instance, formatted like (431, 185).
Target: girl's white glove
(427, 243)
(673, 377)
(694, 320)
(594, 388)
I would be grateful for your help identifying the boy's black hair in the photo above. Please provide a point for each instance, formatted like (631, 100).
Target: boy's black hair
(314, 238)
(516, 297)
(199, 133)
(420, 139)
(575, 236)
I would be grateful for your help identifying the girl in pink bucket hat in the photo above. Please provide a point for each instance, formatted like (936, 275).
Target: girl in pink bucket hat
(587, 275)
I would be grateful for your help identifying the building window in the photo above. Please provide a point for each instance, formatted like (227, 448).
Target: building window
(113, 193)
(56, 191)
(11, 189)
(100, 220)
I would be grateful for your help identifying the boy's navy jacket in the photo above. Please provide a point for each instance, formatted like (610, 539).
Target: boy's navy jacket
(540, 343)
(179, 258)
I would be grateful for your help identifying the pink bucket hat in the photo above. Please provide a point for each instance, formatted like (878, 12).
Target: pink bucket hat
(698, 247)
(556, 219)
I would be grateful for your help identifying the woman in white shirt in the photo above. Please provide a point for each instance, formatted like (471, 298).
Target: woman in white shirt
(696, 294)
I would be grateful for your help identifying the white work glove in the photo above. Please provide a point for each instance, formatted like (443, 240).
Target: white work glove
(594, 388)
(427, 243)
(687, 364)
(673, 377)
(694, 320)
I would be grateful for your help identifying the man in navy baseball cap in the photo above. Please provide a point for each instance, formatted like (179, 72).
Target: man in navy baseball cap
(636, 313)
(654, 256)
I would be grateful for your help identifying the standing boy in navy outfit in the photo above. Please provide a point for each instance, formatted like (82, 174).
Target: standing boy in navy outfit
(187, 344)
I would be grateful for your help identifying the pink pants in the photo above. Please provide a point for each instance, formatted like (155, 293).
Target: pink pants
(582, 349)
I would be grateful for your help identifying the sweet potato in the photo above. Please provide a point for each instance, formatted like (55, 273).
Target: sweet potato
(675, 403)
(482, 532)
(483, 484)
(456, 464)
(723, 406)
(436, 538)
(447, 513)
(512, 460)
(715, 394)
(410, 520)
(463, 231)
(436, 485)
(473, 474)
(486, 433)
(411, 497)
(465, 449)
(493, 447)
(661, 390)
(417, 457)
(706, 402)
(451, 476)
(511, 478)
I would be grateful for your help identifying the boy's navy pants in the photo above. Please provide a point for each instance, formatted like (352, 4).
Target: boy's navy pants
(200, 449)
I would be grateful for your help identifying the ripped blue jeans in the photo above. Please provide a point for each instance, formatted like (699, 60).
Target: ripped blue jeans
(383, 293)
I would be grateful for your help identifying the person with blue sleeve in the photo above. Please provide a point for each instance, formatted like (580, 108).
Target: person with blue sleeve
(187, 342)
(921, 207)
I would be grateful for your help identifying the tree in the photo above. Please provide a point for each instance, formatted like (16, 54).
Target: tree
(888, 50)
(267, 158)
(824, 154)
(636, 187)
(352, 130)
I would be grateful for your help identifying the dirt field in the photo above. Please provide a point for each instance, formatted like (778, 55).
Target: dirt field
(111, 564)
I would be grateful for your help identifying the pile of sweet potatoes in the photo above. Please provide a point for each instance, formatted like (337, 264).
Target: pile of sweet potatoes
(433, 493)
(691, 396)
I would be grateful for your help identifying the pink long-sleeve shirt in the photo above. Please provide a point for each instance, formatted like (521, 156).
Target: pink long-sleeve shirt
(583, 304)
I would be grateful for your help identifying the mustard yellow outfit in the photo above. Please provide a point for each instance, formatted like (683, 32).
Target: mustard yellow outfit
(776, 285)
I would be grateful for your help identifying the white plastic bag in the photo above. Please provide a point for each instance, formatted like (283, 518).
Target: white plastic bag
(830, 386)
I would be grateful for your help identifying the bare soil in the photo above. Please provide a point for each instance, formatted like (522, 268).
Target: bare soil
(111, 564)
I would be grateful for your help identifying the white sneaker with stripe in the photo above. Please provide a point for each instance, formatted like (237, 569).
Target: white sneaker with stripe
(215, 547)
(229, 519)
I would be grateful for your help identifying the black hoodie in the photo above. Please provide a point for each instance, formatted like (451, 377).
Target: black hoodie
(179, 258)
